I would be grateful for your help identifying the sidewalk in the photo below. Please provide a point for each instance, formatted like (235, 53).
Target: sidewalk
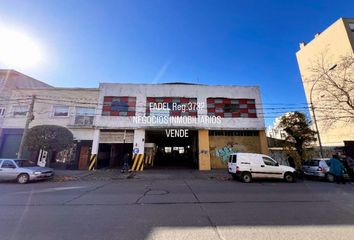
(149, 174)
(146, 175)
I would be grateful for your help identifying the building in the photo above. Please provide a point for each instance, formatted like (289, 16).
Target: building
(11, 80)
(152, 120)
(73, 108)
(276, 132)
(328, 46)
(164, 125)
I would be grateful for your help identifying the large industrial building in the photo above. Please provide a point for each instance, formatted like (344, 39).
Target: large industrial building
(142, 118)
(163, 125)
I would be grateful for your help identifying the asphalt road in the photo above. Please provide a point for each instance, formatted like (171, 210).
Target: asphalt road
(181, 208)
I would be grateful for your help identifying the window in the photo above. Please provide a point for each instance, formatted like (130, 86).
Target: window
(351, 27)
(269, 161)
(8, 164)
(231, 108)
(20, 110)
(84, 116)
(2, 112)
(181, 150)
(306, 163)
(315, 163)
(233, 158)
(82, 111)
(60, 111)
(25, 163)
(232, 133)
(118, 106)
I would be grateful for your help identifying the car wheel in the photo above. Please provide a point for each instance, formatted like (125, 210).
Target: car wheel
(289, 177)
(330, 177)
(246, 177)
(23, 178)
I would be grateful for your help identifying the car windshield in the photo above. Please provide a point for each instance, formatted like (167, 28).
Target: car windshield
(25, 163)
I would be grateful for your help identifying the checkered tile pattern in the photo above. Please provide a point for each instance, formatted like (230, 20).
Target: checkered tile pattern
(231, 108)
(119, 106)
(170, 100)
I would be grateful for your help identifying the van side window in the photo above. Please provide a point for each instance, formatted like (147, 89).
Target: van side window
(268, 161)
(230, 158)
(234, 158)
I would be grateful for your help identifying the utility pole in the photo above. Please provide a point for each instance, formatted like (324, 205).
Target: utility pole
(25, 130)
(318, 133)
(313, 108)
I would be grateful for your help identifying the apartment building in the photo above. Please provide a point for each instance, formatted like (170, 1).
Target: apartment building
(327, 48)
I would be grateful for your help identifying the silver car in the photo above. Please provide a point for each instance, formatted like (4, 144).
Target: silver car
(317, 168)
(320, 168)
(23, 171)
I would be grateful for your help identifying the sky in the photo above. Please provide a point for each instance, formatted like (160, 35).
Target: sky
(217, 42)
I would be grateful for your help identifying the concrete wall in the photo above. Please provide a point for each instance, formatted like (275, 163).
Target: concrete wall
(335, 41)
(139, 141)
(204, 152)
(222, 146)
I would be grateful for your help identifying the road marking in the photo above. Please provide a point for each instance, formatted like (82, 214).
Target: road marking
(47, 190)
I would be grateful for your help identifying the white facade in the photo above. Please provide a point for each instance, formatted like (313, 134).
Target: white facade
(103, 139)
(70, 101)
(274, 131)
(201, 92)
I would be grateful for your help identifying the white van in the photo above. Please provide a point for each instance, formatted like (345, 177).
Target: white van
(252, 165)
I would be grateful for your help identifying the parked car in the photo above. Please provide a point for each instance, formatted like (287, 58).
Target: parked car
(247, 166)
(23, 171)
(319, 168)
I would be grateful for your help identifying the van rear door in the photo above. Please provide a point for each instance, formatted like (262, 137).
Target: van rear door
(232, 164)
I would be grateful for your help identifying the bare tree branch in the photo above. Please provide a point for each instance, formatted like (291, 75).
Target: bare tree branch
(334, 90)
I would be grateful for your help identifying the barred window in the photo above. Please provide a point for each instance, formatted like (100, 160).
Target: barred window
(232, 133)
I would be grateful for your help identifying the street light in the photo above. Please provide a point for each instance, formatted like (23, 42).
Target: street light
(313, 109)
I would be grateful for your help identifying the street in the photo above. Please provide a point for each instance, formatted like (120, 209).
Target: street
(185, 205)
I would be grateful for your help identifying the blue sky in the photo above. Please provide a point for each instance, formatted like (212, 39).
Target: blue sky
(152, 41)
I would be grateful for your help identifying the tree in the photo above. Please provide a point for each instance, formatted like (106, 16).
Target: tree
(298, 130)
(48, 138)
(334, 88)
